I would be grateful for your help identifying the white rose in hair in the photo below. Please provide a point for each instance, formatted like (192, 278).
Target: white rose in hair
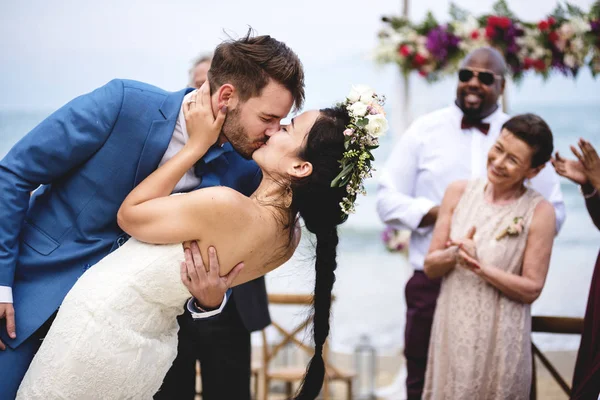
(358, 109)
(362, 93)
(377, 125)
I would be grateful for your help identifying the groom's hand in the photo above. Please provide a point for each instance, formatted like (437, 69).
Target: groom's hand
(206, 285)
(8, 312)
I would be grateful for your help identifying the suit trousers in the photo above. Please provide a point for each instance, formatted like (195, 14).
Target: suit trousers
(222, 344)
(421, 297)
(15, 362)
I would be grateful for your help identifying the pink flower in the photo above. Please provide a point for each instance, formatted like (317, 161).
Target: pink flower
(519, 229)
(349, 132)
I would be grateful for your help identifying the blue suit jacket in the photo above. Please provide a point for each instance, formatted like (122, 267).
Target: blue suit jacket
(87, 157)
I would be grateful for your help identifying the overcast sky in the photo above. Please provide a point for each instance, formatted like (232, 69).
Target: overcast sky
(51, 51)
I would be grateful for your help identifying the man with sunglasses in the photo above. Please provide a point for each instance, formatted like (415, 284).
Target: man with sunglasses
(441, 147)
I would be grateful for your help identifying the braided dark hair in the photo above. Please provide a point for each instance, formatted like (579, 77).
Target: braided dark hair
(319, 206)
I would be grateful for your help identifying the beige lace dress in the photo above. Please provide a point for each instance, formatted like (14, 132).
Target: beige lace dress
(480, 341)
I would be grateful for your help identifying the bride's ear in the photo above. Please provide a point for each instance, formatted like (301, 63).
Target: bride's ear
(227, 96)
(300, 169)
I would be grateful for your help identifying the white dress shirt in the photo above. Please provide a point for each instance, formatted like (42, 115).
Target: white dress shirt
(431, 154)
(188, 182)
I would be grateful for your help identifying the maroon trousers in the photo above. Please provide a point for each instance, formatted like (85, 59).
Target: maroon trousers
(586, 379)
(421, 297)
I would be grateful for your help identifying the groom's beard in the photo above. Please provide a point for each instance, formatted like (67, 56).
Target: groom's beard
(236, 135)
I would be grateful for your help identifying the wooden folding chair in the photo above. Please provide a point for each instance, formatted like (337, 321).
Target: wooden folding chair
(293, 374)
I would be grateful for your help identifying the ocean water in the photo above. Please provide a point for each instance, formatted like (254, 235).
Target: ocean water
(370, 281)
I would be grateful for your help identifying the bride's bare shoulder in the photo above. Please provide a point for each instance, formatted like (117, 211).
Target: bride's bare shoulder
(222, 199)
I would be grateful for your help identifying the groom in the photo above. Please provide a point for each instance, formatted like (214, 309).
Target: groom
(83, 160)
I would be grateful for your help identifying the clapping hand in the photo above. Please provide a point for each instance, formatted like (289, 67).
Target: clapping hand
(586, 169)
(466, 255)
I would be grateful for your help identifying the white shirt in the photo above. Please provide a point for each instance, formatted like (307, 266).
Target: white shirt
(188, 182)
(432, 153)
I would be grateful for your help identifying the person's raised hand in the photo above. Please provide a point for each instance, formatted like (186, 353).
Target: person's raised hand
(202, 126)
(591, 162)
(570, 169)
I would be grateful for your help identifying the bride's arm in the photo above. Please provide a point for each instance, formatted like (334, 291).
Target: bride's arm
(145, 204)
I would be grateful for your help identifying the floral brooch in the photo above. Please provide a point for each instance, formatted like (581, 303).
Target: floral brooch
(514, 229)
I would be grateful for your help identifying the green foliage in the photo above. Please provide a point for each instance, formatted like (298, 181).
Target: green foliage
(559, 12)
(595, 10)
(428, 24)
(396, 22)
(501, 9)
(574, 10)
(457, 13)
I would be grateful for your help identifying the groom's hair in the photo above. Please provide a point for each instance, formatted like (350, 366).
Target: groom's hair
(249, 62)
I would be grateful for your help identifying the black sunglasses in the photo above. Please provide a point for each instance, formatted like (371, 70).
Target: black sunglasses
(487, 78)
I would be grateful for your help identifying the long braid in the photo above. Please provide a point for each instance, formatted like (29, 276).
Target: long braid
(325, 265)
(319, 206)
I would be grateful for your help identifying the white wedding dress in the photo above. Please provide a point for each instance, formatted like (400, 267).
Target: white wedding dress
(115, 335)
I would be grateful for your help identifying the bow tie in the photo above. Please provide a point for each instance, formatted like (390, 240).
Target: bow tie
(484, 127)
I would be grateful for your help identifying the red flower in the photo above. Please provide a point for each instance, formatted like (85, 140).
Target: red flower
(504, 22)
(419, 59)
(543, 26)
(475, 34)
(528, 63)
(539, 65)
(422, 73)
(405, 50)
(490, 32)
(553, 37)
(551, 21)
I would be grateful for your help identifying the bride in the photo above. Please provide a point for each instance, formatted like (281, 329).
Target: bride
(115, 335)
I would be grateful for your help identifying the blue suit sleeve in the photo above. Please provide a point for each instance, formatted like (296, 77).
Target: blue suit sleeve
(59, 144)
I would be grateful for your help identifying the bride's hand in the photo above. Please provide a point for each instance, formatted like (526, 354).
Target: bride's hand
(202, 126)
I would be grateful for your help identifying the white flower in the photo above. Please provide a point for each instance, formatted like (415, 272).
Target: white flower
(385, 52)
(580, 25)
(539, 52)
(570, 60)
(410, 34)
(577, 44)
(361, 93)
(377, 125)
(566, 30)
(464, 29)
(358, 109)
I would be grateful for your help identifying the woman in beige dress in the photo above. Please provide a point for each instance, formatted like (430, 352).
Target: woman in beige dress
(491, 244)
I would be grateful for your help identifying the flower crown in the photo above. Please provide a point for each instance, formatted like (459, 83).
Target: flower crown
(367, 124)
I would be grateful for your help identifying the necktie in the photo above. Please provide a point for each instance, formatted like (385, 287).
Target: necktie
(466, 123)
